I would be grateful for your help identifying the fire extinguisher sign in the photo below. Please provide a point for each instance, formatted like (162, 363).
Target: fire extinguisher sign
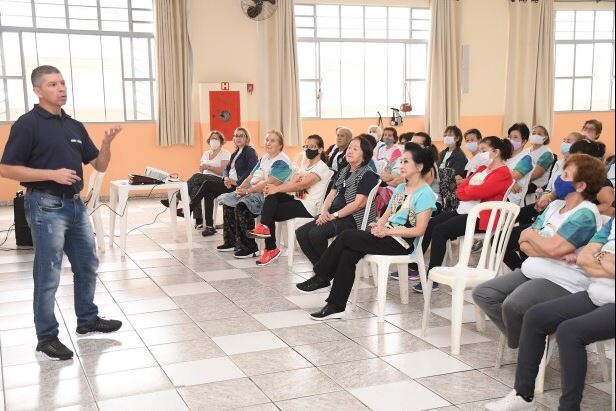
(224, 86)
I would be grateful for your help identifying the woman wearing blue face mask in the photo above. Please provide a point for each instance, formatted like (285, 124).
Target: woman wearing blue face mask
(566, 225)
(520, 163)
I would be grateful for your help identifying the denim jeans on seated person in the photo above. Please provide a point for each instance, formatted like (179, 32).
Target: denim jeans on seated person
(60, 226)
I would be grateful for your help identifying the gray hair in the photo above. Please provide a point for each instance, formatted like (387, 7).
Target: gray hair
(346, 131)
(37, 74)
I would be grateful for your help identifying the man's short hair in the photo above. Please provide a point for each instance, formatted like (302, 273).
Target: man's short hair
(38, 73)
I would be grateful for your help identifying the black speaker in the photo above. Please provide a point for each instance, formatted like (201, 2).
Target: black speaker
(23, 236)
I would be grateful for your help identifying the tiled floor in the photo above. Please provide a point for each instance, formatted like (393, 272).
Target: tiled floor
(204, 331)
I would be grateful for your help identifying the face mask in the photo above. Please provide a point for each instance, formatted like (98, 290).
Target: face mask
(472, 146)
(310, 154)
(388, 141)
(563, 188)
(564, 148)
(516, 144)
(536, 139)
(484, 158)
(449, 140)
(214, 144)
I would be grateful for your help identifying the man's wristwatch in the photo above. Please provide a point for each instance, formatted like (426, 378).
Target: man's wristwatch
(335, 214)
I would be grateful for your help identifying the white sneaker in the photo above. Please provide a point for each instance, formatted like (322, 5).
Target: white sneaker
(512, 402)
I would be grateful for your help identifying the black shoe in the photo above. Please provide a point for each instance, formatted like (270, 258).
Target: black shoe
(54, 349)
(312, 284)
(245, 254)
(208, 231)
(419, 290)
(225, 248)
(329, 312)
(165, 203)
(100, 325)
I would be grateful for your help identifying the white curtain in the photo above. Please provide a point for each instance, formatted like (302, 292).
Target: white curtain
(174, 74)
(530, 64)
(279, 107)
(443, 94)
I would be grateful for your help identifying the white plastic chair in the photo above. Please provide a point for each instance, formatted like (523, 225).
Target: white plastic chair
(296, 223)
(381, 275)
(462, 276)
(95, 184)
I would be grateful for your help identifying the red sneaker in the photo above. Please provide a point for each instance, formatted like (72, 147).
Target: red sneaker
(260, 231)
(269, 256)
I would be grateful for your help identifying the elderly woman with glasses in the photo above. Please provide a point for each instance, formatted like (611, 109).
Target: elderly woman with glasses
(239, 166)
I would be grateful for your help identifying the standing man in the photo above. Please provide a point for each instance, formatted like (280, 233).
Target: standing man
(44, 153)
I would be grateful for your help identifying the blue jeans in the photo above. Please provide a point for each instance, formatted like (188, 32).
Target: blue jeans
(60, 226)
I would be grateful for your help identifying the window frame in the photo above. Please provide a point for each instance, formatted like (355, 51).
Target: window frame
(130, 35)
(575, 42)
(317, 41)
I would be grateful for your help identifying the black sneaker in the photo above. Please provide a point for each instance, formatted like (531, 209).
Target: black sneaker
(245, 254)
(312, 284)
(329, 312)
(419, 290)
(100, 325)
(54, 349)
(225, 248)
(208, 231)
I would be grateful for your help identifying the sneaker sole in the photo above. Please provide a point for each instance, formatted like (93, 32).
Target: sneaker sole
(44, 356)
(258, 236)
(243, 257)
(96, 332)
(270, 261)
(225, 250)
(335, 316)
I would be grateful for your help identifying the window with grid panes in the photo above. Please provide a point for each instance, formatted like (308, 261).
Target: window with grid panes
(355, 61)
(584, 60)
(104, 49)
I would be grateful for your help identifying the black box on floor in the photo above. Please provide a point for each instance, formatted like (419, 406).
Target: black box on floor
(23, 236)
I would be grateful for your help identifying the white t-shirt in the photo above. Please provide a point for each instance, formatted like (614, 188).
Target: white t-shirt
(223, 155)
(473, 164)
(464, 207)
(556, 171)
(311, 198)
(232, 169)
(576, 226)
(601, 290)
(611, 174)
(522, 163)
(543, 157)
(262, 169)
(445, 158)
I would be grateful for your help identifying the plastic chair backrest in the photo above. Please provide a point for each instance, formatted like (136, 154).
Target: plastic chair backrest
(369, 204)
(508, 191)
(496, 236)
(95, 183)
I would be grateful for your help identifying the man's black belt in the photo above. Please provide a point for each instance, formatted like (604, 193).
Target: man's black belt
(56, 192)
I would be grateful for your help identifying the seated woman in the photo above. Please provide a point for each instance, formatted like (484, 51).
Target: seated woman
(451, 165)
(424, 140)
(542, 157)
(300, 197)
(235, 169)
(394, 233)
(404, 138)
(520, 163)
(387, 162)
(513, 256)
(577, 320)
(344, 206)
(212, 164)
(565, 226)
(472, 139)
(241, 207)
(488, 183)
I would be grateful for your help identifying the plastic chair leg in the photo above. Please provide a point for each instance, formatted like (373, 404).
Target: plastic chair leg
(403, 279)
(480, 319)
(426, 285)
(500, 350)
(540, 380)
(290, 242)
(603, 362)
(457, 306)
(382, 276)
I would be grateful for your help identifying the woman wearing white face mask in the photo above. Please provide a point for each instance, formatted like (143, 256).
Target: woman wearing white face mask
(542, 157)
(211, 167)
(520, 163)
(472, 139)
(453, 156)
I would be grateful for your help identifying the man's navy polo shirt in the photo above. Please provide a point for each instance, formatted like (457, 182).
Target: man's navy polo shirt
(42, 140)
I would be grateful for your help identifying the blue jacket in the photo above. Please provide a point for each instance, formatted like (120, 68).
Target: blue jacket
(246, 161)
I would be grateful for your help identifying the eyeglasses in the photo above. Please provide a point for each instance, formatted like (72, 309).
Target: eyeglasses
(239, 135)
(310, 147)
